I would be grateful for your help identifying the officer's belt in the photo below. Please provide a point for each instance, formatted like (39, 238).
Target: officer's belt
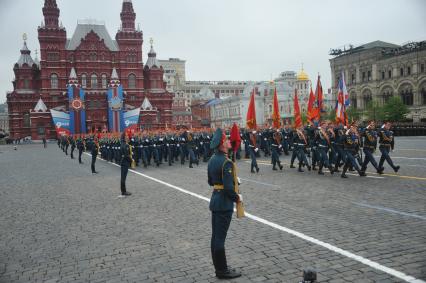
(218, 187)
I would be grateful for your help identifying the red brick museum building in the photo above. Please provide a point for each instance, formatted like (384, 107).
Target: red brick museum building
(41, 85)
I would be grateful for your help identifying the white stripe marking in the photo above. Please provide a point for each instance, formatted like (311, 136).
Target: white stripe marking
(328, 246)
(402, 157)
(391, 210)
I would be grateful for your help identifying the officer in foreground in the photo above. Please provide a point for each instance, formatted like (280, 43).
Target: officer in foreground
(222, 176)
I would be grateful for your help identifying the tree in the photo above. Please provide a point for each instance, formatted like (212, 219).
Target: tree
(353, 114)
(394, 109)
(374, 111)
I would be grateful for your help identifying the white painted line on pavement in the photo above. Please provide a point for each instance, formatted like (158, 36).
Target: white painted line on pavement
(390, 210)
(328, 246)
(403, 157)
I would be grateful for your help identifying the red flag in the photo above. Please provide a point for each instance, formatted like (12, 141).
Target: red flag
(297, 117)
(251, 113)
(311, 110)
(276, 118)
(235, 137)
(319, 98)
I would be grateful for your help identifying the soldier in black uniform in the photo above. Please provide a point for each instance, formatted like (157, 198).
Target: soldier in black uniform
(276, 149)
(72, 142)
(253, 149)
(351, 145)
(80, 147)
(126, 161)
(370, 145)
(387, 144)
(94, 150)
(221, 176)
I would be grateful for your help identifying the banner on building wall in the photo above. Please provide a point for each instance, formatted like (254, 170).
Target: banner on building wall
(131, 119)
(61, 120)
(77, 108)
(115, 109)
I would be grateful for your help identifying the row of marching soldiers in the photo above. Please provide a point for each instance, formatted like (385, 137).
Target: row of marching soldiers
(149, 148)
(314, 147)
(327, 145)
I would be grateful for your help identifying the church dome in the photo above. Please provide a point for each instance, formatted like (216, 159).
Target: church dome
(302, 76)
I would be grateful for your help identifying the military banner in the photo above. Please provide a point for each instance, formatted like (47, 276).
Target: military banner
(61, 120)
(77, 109)
(115, 109)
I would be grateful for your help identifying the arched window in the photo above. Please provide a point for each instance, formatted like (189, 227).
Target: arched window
(94, 81)
(407, 96)
(84, 80)
(54, 81)
(270, 108)
(132, 81)
(104, 81)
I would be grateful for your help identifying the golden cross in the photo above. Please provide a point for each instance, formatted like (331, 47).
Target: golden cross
(24, 36)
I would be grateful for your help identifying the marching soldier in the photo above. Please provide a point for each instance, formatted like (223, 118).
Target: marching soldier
(370, 145)
(323, 142)
(222, 176)
(387, 144)
(287, 136)
(351, 146)
(191, 146)
(300, 143)
(253, 150)
(72, 142)
(80, 147)
(276, 148)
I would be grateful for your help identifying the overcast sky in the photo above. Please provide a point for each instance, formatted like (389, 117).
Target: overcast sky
(228, 39)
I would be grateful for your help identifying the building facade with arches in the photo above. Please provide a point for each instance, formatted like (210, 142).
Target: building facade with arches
(93, 54)
(379, 70)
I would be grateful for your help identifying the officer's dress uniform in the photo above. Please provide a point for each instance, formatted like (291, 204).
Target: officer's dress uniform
(351, 151)
(80, 147)
(253, 150)
(126, 161)
(221, 177)
(287, 137)
(387, 144)
(323, 143)
(94, 152)
(370, 145)
(275, 149)
(72, 142)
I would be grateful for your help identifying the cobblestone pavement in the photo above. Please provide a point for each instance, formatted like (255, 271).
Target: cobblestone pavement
(59, 223)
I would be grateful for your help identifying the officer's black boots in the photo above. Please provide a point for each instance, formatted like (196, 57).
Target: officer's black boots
(222, 269)
(300, 167)
(320, 170)
(345, 168)
(396, 168)
(279, 164)
(331, 169)
(361, 173)
(257, 169)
